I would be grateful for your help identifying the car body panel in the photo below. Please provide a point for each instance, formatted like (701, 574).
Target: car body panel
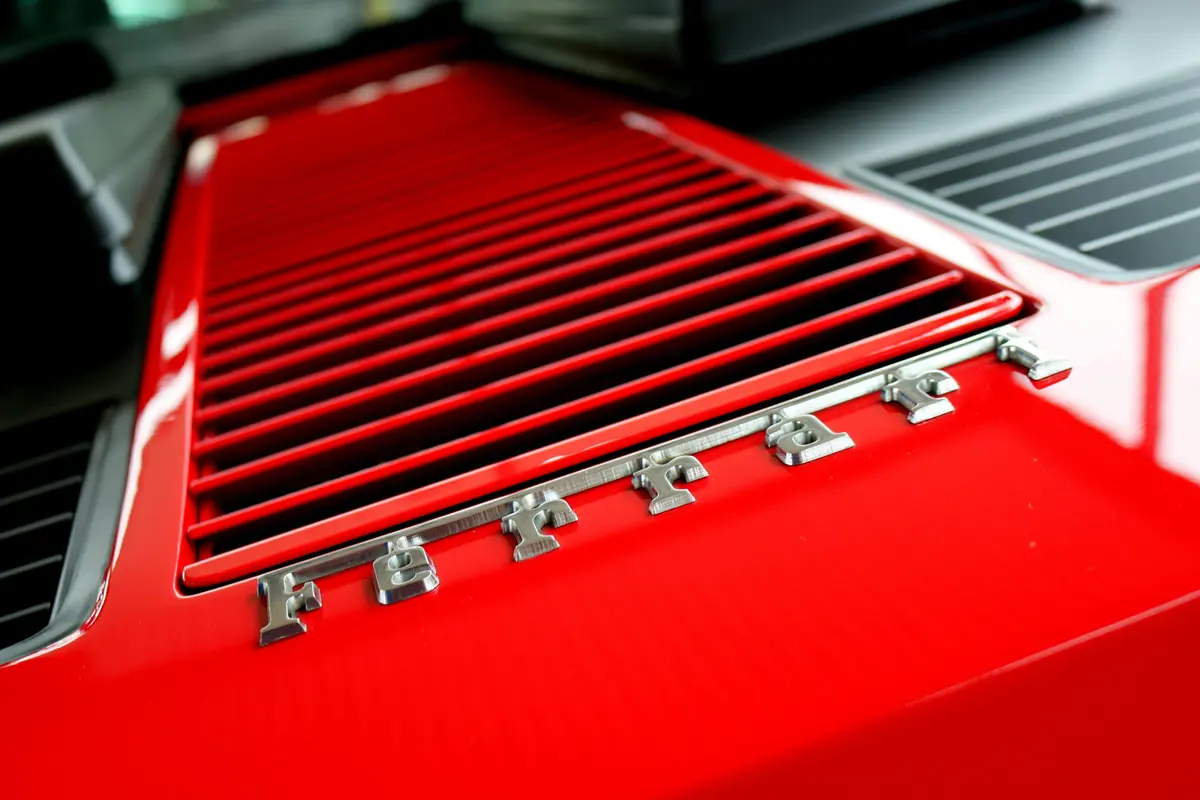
(1002, 600)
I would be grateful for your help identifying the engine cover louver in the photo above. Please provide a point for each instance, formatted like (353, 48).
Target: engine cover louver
(42, 469)
(419, 297)
(1116, 182)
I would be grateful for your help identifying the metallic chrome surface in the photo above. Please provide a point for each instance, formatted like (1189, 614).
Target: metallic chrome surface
(89, 554)
(790, 426)
(921, 394)
(526, 519)
(803, 439)
(403, 573)
(284, 603)
(659, 480)
(1029, 355)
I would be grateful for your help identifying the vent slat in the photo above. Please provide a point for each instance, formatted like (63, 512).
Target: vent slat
(422, 203)
(33, 494)
(1114, 181)
(29, 585)
(319, 354)
(37, 540)
(445, 238)
(440, 279)
(41, 459)
(612, 322)
(430, 219)
(406, 505)
(296, 275)
(16, 626)
(522, 142)
(35, 527)
(13, 616)
(464, 410)
(360, 372)
(569, 370)
(554, 224)
(485, 402)
(17, 572)
(353, 159)
(394, 338)
(39, 470)
(344, 147)
(39, 502)
(257, 551)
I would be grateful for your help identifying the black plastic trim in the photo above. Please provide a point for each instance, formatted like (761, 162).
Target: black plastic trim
(93, 534)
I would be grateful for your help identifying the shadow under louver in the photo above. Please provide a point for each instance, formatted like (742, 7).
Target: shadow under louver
(407, 310)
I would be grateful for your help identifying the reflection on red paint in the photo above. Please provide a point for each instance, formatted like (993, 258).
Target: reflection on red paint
(998, 603)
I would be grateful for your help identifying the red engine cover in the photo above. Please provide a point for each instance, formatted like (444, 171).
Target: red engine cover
(1000, 602)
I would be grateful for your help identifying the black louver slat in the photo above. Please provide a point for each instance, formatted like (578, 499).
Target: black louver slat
(1116, 181)
(42, 469)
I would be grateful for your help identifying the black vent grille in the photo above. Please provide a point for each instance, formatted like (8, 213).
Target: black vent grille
(1116, 181)
(42, 470)
(553, 281)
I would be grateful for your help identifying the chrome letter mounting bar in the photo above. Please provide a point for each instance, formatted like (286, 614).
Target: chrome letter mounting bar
(402, 569)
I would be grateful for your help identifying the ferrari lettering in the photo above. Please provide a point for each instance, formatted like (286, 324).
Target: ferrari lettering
(402, 568)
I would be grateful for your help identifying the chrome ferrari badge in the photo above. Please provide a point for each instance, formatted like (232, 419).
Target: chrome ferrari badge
(526, 519)
(403, 572)
(402, 569)
(659, 480)
(803, 439)
(921, 395)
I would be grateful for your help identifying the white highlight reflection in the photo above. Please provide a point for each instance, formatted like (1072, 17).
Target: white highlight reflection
(172, 392)
(1178, 445)
(891, 218)
(178, 333)
(1109, 391)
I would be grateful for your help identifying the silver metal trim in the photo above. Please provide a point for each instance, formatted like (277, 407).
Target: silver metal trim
(921, 394)
(403, 573)
(93, 532)
(804, 439)
(529, 515)
(285, 597)
(1026, 353)
(525, 513)
(659, 480)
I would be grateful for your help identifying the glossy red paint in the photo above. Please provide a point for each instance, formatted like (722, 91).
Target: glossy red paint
(440, 359)
(284, 95)
(1001, 602)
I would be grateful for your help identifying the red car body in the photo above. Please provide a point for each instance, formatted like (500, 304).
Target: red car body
(1001, 602)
